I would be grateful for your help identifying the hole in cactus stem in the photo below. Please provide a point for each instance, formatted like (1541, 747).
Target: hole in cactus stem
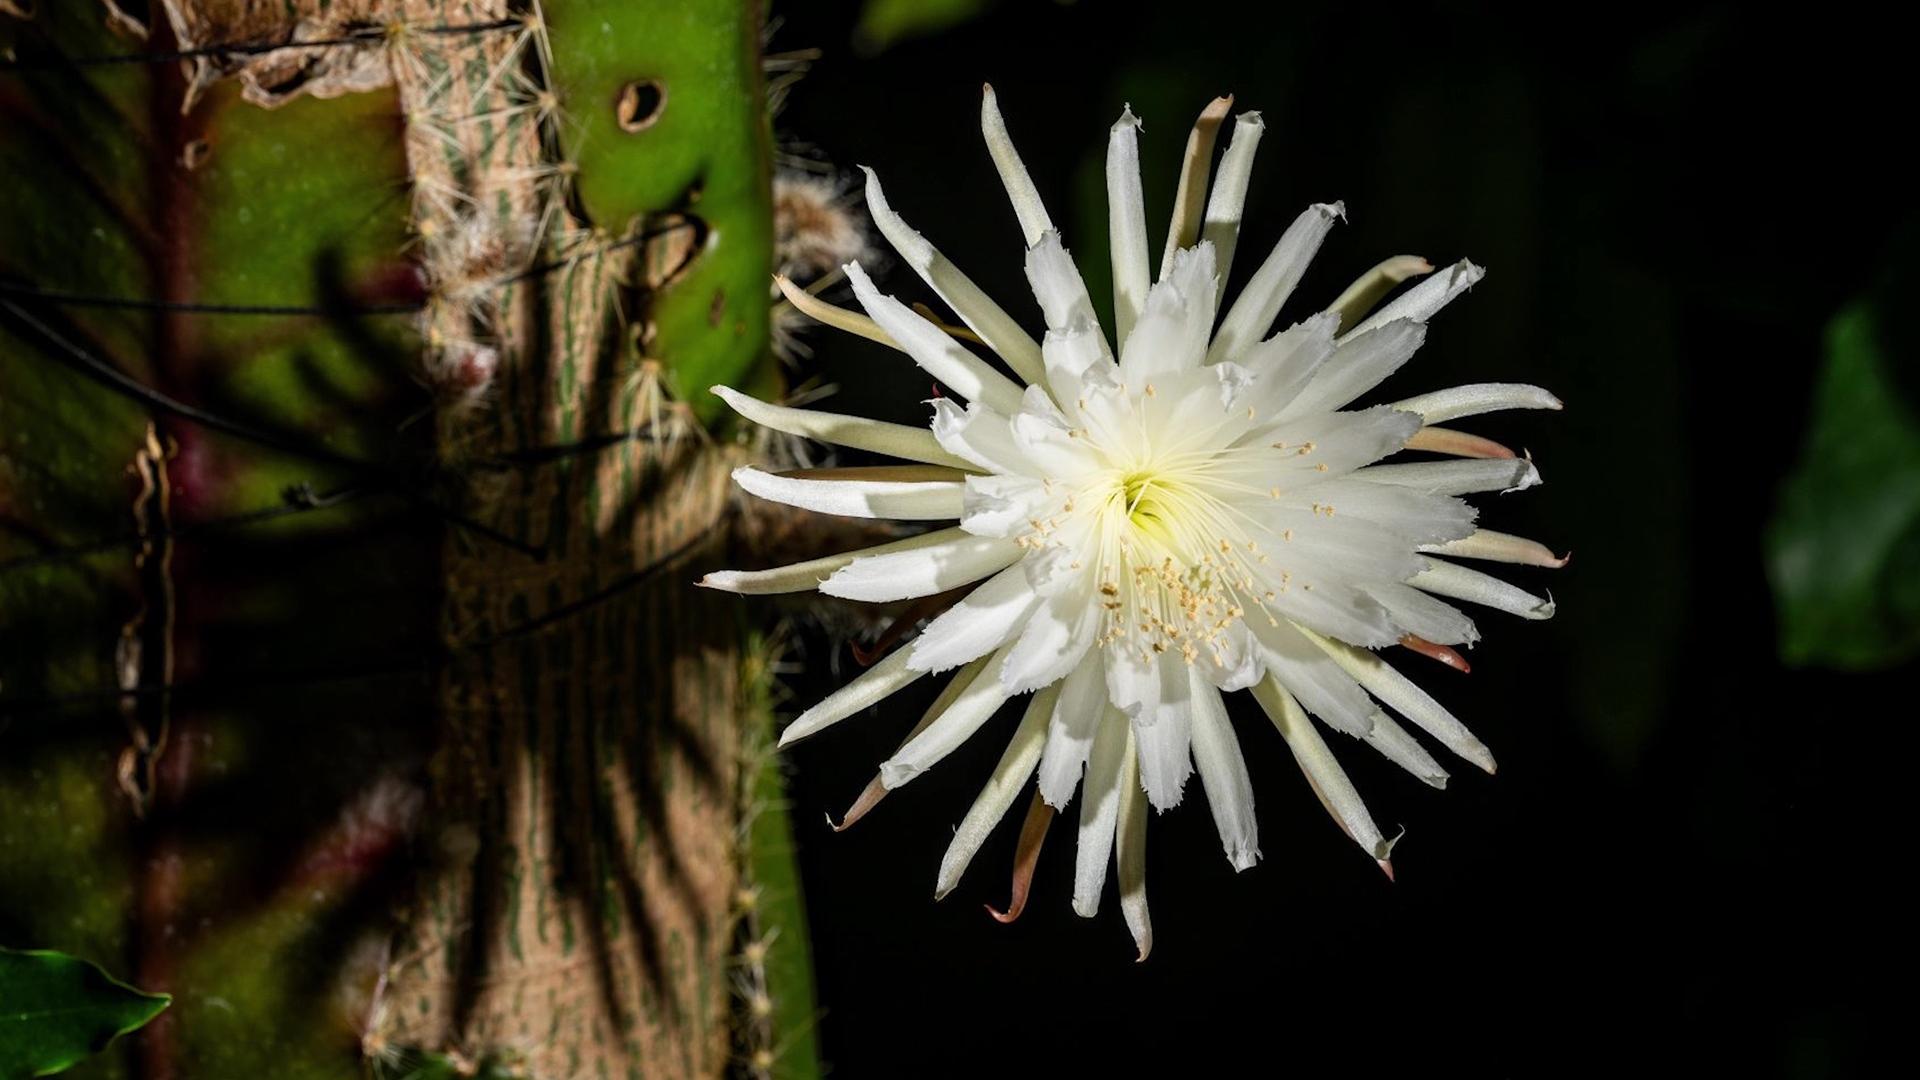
(641, 103)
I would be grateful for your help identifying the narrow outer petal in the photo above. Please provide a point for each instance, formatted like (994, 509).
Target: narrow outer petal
(812, 574)
(1228, 200)
(1130, 842)
(1405, 697)
(1443, 405)
(1003, 786)
(956, 725)
(879, 575)
(1224, 774)
(984, 317)
(870, 688)
(1252, 315)
(901, 501)
(1425, 300)
(1328, 780)
(1013, 172)
(935, 350)
(1126, 225)
(1448, 579)
(1110, 771)
(894, 440)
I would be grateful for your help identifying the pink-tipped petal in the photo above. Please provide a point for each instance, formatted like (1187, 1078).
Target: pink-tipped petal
(1026, 857)
(1442, 653)
(869, 798)
(1441, 440)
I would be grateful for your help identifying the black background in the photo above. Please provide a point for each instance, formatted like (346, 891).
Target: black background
(1687, 862)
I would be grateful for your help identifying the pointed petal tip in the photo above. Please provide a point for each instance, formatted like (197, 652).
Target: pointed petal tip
(1002, 917)
(1386, 867)
(870, 797)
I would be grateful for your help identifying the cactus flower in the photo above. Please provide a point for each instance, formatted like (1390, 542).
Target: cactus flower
(1147, 516)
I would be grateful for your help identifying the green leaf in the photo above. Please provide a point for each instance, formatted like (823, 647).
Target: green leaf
(1843, 549)
(55, 1010)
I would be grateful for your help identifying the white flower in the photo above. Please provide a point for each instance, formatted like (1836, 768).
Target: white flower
(1184, 508)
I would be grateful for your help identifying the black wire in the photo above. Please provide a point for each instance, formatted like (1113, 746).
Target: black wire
(120, 382)
(419, 665)
(253, 48)
(139, 303)
(298, 500)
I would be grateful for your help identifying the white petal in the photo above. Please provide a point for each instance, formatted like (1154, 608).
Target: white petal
(1082, 704)
(1049, 448)
(1443, 405)
(1260, 301)
(1447, 579)
(901, 501)
(1457, 477)
(1405, 697)
(1110, 771)
(1057, 284)
(1130, 851)
(975, 308)
(1008, 505)
(1323, 771)
(1361, 363)
(1126, 225)
(1002, 787)
(1368, 290)
(801, 576)
(1306, 671)
(1406, 512)
(1163, 732)
(1171, 335)
(837, 317)
(1196, 166)
(975, 705)
(935, 350)
(1077, 365)
(1056, 638)
(949, 562)
(1499, 547)
(1223, 772)
(1229, 196)
(978, 624)
(1424, 300)
(1342, 441)
(866, 690)
(1397, 746)
(1287, 361)
(894, 440)
(1423, 616)
(1013, 172)
(978, 433)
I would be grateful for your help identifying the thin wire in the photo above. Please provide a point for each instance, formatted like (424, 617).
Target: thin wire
(127, 386)
(140, 303)
(254, 48)
(438, 658)
(297, 500)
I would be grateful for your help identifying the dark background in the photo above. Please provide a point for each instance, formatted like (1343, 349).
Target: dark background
(1687, 860)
